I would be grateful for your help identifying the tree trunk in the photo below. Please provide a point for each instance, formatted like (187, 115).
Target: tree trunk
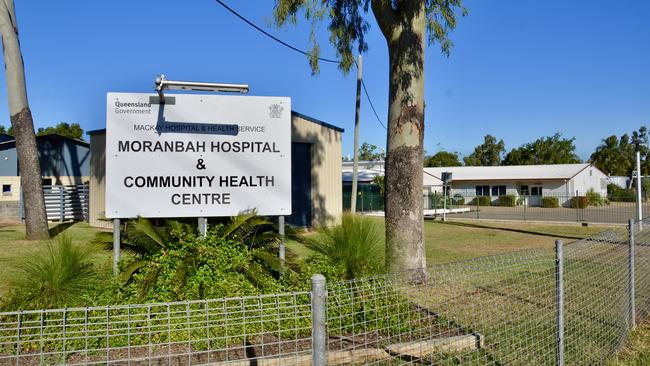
(21, 119)
(405, 34)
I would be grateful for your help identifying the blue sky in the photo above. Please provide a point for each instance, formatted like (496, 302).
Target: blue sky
(520, 69)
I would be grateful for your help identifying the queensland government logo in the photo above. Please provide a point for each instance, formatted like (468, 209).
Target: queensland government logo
(275, 111)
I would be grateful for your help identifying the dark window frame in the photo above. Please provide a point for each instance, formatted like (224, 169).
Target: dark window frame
(483, 191)
(498, 190)
(536, 191)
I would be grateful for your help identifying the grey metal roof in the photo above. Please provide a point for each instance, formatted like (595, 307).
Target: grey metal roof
(513, 172)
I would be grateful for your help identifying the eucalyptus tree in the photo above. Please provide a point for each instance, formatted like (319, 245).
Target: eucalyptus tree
(22, 126)
(408, 26)
(488, 153)
(545, 150)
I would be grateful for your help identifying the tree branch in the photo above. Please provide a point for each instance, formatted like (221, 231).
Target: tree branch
(385, 16)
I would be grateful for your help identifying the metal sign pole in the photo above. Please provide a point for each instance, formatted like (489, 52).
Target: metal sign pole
(203, 226)
(444, 202)
(281, 231)
(116, 245)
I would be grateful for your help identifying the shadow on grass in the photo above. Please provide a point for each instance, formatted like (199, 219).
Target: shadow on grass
(58, 229)
(522, 231)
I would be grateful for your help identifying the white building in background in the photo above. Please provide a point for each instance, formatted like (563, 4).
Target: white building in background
(559, 180)
(535, 181)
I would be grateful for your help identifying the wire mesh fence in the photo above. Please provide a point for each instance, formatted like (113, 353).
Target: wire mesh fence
(570, 207)
(503, 309)
(577, 207)
(183, 333)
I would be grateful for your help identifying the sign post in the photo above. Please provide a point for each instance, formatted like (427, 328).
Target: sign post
(117, 241)
(282, 250)
(446, 178)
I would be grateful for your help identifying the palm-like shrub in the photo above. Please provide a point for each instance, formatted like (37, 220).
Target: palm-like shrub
(170, 261)
(56, 275)
(355, 247)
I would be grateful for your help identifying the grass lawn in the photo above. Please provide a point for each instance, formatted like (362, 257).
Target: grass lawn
(453, 241)
(637, 349)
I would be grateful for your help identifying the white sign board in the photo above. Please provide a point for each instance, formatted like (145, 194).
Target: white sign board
(200, 156)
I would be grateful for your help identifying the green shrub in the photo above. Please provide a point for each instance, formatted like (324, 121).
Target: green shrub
(507, 200)
(458, 200)
(482, 201)
(618, 194)
(579, 202)
(54, 276)
(354, 248)
(171, 262)
(595, 199)
(550, 202)
(437, 201)
(192, 267)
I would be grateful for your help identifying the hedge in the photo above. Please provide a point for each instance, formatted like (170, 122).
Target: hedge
(482, 201)
(618, 194)
(550, 202)
(579, 202)
(507, 200)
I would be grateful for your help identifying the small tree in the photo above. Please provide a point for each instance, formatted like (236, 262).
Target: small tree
(489, 153)
(442, 159)
(368, 152)
(72, 130)
(546, 150)
(23, 126)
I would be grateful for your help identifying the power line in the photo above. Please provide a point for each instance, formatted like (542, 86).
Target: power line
(371, 105)
(272, 36)
(301, 52)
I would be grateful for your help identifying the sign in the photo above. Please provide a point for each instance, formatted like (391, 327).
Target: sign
(198, 156)
(446, 177)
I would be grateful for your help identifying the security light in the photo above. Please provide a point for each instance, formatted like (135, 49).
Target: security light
(163, 84)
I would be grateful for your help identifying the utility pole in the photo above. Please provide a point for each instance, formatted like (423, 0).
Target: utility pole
(639, 188)
(355, 165)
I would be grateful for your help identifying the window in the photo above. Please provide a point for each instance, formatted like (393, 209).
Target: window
(536, 191)
(523, 190)
(6, 189)
(482, 190)
(498, 190)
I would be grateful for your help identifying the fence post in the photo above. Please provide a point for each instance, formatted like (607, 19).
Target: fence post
(319, 320)
(478, 212)
(559, 301)
(577, 201)
(631, 275)
(525, 204)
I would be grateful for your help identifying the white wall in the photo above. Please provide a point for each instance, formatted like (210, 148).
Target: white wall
(590, 178)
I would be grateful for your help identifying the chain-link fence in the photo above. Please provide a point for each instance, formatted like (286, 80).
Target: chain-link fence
(560, 208)
(576, 207)
(570, 306)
